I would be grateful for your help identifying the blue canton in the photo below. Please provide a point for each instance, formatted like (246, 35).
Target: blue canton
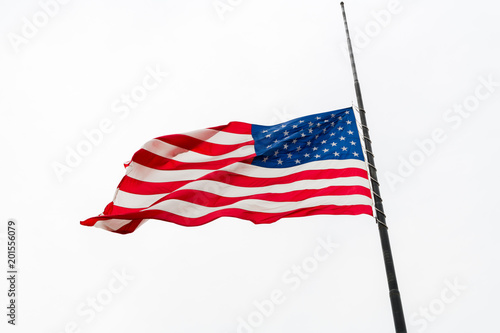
(324, 136)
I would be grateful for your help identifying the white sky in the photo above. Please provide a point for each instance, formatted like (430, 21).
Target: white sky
(263, 61)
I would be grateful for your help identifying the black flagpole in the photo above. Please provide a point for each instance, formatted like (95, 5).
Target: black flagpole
(397, 307)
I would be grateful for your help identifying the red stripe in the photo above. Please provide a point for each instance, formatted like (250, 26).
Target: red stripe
(151, 160)
(201, 146)
(131, 185)
(255, 217)
(173, 190)
(208, 199)
(129, 227)
(135, 186)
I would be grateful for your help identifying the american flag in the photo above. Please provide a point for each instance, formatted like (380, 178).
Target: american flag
(306, 166)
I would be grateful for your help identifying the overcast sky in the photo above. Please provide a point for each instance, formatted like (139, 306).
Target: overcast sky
(84, 84)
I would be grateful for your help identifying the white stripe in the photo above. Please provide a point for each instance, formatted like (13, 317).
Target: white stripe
(114, 224)
(137, 201)
(187, 156)
(143, 173)
(262, 172)
(111, 225)
(220, 137)
(191, 210)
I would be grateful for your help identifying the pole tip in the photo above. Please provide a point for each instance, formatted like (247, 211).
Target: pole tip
(342, 3)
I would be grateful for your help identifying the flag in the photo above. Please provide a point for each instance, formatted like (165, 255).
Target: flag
(306, 166)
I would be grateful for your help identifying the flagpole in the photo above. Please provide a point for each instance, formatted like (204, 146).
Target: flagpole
(397, 307)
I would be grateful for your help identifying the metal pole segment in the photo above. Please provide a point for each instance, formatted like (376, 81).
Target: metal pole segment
(397, 307)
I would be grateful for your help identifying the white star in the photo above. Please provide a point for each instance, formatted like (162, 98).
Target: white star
(308, 143)
(311, 123)
(340, 128)
(285, 133)
(265, 159)
(334, 144)
(325, 150)
(310, 130)
(280, 162)
(306, 155)
(318, 124)
(325, 121)
(344, 148)
(315, 148)
(333, 115)
(294, 141)
(302, 135)
(283, 125)
(323, 142)
(295, 126)
(336, 154)
(347, 112)
(355, 154)
(317, 136)
(275, 141)
(353, 143)
(318, 118)
(268, 136)
(264, 131)
(297, 161)
(332, 134)
(301, 121)
(348, 122)
(342, 138)
(339, 118)
(298, 148)
(269, 146)
(276, 130)
(317, 156)
(289, 155)
(324, 130)
(276, 153)
(350, 132)
(285, 146)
